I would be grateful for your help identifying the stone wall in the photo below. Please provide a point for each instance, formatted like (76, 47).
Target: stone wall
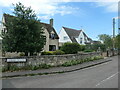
(48, 59)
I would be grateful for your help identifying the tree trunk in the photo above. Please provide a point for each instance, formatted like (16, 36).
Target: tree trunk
(31, 53)
(26, 53)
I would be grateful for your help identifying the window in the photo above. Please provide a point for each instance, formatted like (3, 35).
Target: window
(81, 40)
(65, 37)
(52, 36)
(52, 47)
(4, 30)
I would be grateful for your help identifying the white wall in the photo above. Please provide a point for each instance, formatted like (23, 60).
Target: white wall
(2, 26)
(63, 34)
(83, 38)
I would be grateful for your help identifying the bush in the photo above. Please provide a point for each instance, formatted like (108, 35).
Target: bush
(70, 48)
(88, 50)
(22, 54)
(58, 52)
(47, 53)
(82, 47)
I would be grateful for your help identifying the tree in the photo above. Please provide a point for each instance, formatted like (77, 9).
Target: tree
(24, 31)
(95, 47)
(117, 43)
(107, 40)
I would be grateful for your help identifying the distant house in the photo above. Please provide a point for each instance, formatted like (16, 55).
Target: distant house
(73, 35)
(96, 42)
(52, 39)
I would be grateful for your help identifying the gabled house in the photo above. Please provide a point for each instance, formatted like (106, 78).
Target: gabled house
(73, 35)
(52, 39)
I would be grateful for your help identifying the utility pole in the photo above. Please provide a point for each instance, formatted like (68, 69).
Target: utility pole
(113, 35)
(118, 31)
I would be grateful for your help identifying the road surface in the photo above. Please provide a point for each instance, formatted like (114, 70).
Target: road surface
(100, 76)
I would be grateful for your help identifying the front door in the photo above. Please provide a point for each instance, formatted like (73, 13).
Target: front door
(52, 47)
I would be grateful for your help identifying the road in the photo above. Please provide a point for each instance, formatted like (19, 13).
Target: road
(100, 76)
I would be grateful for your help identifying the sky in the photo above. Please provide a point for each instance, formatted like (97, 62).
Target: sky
(93, 16)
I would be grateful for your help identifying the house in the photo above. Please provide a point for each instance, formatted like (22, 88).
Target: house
(96, 42)
(73, 35)
(52, 39)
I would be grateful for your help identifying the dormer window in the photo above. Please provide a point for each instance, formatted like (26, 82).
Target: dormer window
(52, 36)
(85, 39)
(80, 40)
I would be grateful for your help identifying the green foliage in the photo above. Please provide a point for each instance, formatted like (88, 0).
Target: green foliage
(82, 47)
(28, 67)
(70, 48)
(117, 41)
(94, 47)
(10, 68)
(47, 53)
(22, 54)
(107, 40)
(57, 52)
(88, 50)
(24, 31)
(75, 62)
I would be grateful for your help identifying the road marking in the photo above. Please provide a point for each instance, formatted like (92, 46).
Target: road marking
(106, 79)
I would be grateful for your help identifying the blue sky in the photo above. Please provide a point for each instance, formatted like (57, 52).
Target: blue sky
(93, 17)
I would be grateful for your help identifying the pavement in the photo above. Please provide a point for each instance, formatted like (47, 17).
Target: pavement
(54, 69)
(104, 75)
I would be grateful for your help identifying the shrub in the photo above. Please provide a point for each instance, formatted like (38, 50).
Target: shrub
(12, 68)
(22, 54)
(47, 53)
(58, 52)
(45, 66)
(88, 50)
(98, 57)
(70, 48)
(82, 47)
(4, 68)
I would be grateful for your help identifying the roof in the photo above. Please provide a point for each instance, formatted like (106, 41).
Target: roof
(96, 42)
(72, 33)
(50, 29)
(47, 26)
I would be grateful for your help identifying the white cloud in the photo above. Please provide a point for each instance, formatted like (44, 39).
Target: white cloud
(109, 6)
(49, 8)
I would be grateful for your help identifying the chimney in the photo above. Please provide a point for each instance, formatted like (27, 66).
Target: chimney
(51, 22)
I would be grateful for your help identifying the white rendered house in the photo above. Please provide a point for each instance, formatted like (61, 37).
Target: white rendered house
(72, 35)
